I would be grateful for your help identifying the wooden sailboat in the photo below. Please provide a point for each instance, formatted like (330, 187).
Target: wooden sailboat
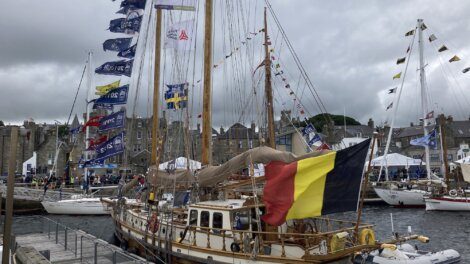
(227, 229)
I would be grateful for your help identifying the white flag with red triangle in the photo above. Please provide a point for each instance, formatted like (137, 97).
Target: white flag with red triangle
(180, 36)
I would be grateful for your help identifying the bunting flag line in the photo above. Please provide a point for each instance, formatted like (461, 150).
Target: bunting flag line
(122, 67)
(180, 35)
(104, 89)
(114, 97)
(408, 49)
(321, 185)
(126, 10)
(184, 5)
(92, 122)
(423, 26)
(176, 97)
(443, 48)
(393, 90)
(397, 76)
(466, 70)
(117, 44)
(112, 121)
(129, 52)
(114, 146)
(455, 58)
(410, 33)
(401, 60)
(100, 106)
(323, 146)
(308, 129)
(432, 38)
(389, 106)
(75, 130)
(314, 139)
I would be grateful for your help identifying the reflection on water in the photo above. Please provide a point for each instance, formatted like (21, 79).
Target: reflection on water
(445, 229)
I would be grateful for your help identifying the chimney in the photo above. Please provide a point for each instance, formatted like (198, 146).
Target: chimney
(253, 127)
(370, 123)
(450, 119)
(222, 131)
(411, 124)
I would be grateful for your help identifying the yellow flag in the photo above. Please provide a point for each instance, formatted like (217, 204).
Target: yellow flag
(397, 76)
(455, 58)
(104, 89)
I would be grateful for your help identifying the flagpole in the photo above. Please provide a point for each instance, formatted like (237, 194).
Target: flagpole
(87, 129)
(424, 102)
(156, 87)
(207, 97)
(365, 182)
(271, 138)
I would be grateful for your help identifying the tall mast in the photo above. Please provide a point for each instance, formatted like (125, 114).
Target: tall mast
(270, 140)
(424, 101)
(88, 110)
(442, 123)
(207, 97)
(156, 85)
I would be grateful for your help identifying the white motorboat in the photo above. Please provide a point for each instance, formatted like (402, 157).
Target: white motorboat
(406, 253)
(79, 206)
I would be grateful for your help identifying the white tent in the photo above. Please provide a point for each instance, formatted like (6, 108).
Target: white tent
(395, 159)
(180, 163)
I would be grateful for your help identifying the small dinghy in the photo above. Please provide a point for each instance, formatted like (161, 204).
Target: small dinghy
(406, 253)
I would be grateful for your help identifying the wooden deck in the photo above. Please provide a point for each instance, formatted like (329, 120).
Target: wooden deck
(74, 246)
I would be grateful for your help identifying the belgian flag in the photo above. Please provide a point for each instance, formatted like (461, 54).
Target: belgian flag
(315, 186)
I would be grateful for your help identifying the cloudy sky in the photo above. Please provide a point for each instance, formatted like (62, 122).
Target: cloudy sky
(348, 48)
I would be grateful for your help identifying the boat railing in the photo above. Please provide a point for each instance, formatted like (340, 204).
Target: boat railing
(309, 241)
(33, 194)
(87, 248)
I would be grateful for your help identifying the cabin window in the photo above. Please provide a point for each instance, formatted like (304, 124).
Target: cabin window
(193, 217)
(217, 220)
(205, 219)
(241, 220)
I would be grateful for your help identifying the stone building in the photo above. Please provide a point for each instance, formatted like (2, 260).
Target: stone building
(236, 140)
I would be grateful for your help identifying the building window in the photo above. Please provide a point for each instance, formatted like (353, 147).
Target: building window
(251, 143)
(139, 134)
(450, 157)
(217, 220)
(240, 144)
(434, 157)
(193, 217)
(139, 124)
(205, 219)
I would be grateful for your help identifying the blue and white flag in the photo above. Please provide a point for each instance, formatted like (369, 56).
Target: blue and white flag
(117, 96)
(308, 129)
(112, 121)
(125, 25)
(314, 139)
(129, 52)
(90, 164)
(110, 148)
(176, 97)
(133, 3)
(75, 130)
(117, 44)
(429, 140)
(122, 67)
(103, 106)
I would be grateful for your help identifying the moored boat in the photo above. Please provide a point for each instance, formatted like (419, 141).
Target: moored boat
(79, 206)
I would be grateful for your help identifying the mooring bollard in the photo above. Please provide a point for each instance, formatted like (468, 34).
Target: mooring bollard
(65, 242)
(81, 247)
(57, 232)
(49, 229)
(76, 244)
(114, 257)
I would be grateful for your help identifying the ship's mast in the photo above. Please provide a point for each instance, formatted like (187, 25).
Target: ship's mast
(424, 101)
(156, 89)
(88, 110)
(207, 97)
(270, 140)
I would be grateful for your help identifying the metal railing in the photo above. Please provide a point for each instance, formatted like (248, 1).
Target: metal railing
(86, 247)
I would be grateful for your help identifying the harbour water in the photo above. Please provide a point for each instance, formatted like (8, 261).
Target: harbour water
(445, 229)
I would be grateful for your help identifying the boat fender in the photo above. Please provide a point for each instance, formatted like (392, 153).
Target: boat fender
(337, 242)
(423, 239)
(367, 237)
(153, 223)
(235, 247)
(389, 246)
(409, 187)
(453, 193)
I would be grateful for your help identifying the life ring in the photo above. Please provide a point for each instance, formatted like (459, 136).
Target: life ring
(367, 237)
(337, 243)
(453, 193)
(235, 247)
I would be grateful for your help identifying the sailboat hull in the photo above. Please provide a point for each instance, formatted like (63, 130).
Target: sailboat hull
(448, 203)
(84, 206)
(402, 197)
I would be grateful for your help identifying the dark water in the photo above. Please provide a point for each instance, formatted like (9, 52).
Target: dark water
(447, 230)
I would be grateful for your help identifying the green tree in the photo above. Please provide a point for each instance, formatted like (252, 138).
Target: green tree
(320, 120)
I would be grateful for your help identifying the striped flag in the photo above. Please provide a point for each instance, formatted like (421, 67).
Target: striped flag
(315, 186)
(397, 76)
(455, 58)
(401, 60)
(443, 48)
